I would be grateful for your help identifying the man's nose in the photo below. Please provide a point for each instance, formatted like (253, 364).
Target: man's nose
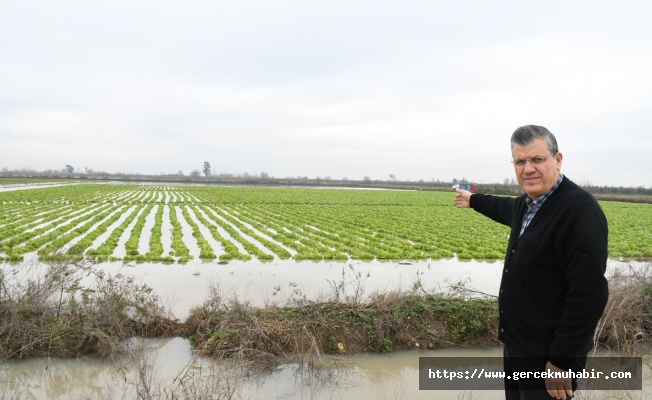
(529, 168)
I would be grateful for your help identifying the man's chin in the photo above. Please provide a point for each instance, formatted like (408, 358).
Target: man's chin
(533, 191)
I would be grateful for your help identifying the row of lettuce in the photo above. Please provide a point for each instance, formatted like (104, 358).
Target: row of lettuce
(243, 223)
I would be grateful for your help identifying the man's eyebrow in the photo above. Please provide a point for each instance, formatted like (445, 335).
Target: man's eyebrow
(523, 158)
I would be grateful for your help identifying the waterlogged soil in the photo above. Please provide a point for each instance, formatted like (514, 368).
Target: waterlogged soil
(377, 376)
(364, 376)
(244, 235)
(208, 236)
(223, 232)
(120, 250)
(186, 230)
(102, 238)
(258, 232)
(80, 237)
(184, 286)
(166, 231)
(146, 234)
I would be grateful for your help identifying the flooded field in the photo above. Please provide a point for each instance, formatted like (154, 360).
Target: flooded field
(168, 362)
(262, 247)
(378, 376)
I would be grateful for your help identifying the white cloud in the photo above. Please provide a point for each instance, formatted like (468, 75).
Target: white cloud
(419, 89)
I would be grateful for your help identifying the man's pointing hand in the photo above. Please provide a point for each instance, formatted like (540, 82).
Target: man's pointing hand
(463, 198)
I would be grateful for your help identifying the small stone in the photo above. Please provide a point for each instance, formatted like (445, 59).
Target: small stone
(431, 346)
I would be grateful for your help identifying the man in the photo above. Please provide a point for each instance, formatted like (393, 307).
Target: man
(553, 290)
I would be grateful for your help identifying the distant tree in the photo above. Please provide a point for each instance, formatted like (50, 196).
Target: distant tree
(69, 169)
(207, 168)
(366, 179)
(180, 173)
(264, 175)
(454, 180)
(345, 179)
(327, 178)
(195, 173)
(506, 181)
(421, 181)
(392, 177)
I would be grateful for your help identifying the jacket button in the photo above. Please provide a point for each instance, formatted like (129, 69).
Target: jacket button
(506, 270)
(513, 251)
(502, 330)
(502, 312)
(501, 290)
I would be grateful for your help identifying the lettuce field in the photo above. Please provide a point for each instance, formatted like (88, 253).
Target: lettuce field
(179, 223)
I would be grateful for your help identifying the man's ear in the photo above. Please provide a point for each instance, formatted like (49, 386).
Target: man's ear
(559, 157)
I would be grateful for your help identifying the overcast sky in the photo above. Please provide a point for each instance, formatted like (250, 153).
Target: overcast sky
(420, 89)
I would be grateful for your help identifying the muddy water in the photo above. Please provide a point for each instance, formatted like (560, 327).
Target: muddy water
(11, 188)
(184, 286)
(364, 376)
(281, 281)
(378, 376)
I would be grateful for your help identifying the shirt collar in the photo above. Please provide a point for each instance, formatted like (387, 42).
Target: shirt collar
(538, 202)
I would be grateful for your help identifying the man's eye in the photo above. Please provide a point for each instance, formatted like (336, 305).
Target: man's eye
(538, 160)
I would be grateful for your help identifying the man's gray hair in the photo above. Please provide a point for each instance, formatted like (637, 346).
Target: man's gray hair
(527, 133)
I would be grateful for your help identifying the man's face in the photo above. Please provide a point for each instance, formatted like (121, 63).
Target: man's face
(536, 178)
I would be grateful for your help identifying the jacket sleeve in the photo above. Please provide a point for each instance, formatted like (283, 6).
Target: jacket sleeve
(583, 252)
(500, 209)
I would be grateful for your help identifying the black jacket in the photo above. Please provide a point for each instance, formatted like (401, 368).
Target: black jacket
(553, 290)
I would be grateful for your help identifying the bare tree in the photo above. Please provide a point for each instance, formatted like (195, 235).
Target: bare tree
(264, 175)
(366, 179)
(392, 177)
(207, 168)
(195, 173)
(69, 169)
(180, 173)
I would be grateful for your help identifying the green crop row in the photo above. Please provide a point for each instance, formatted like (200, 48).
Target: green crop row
(314, 223)
(131, 246)
(31, 220)
(87, 241)
(231, 250)
(250, 247)
(104, 251)
(50, 252)
(9, 245)
(206, 251)
(155, 243)
(49, 236)
(278, 250)
(179, 248)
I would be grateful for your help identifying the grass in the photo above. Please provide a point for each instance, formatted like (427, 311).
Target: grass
(47, 311)
(69, 308)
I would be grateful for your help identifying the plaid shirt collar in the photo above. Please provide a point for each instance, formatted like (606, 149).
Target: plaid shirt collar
(534, 205)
